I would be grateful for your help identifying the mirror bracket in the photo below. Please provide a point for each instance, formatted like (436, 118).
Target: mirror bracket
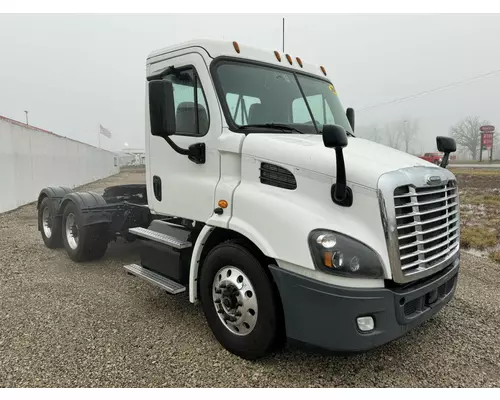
(196, 152)
(346, 201)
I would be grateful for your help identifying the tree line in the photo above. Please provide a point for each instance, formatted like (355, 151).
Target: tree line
(403, 135)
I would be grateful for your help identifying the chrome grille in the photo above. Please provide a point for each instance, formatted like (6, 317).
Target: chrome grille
(427, 223)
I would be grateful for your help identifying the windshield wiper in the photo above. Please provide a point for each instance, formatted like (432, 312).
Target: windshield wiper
(281, 127)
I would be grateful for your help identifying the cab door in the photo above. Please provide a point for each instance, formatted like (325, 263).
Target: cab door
(177, 185)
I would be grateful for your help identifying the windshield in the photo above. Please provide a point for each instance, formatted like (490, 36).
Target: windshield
(262, 95)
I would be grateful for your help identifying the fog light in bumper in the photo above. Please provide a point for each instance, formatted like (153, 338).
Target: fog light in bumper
(365, 324)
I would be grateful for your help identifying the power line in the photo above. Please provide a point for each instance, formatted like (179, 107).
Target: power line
(431, 90)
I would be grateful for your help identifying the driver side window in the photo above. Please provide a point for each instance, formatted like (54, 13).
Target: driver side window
(189, 102)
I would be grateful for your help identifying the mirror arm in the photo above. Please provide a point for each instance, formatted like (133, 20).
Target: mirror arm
(176, 148)
(340, 187)
(195, 152)
(444, 161)
(340, 192)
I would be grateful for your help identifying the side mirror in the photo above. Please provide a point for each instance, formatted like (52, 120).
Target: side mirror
(350, 117)
(161, 108)
(334, 136)
(446, 145)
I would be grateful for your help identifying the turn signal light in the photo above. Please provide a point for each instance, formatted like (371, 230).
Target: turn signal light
(299, 61)
(327, 259)
(237, 47)
(289, 58)
(278, 56)
(323, 70)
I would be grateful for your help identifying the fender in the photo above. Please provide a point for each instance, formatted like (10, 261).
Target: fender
(195, 262)
(201, 241)
(55, 195)
(91, 205)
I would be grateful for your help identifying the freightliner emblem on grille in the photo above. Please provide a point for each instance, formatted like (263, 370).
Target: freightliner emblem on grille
(433, 180)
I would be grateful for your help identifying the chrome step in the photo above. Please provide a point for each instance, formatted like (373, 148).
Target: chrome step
(154, 278)
(160, 238)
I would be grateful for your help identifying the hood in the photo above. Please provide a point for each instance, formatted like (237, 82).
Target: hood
(365, 160)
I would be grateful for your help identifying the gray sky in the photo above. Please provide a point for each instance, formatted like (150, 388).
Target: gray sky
(74, 72)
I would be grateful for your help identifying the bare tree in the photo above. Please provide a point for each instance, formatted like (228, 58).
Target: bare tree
(393, 135)
(408, 129)
(375, 135)
(467, 134)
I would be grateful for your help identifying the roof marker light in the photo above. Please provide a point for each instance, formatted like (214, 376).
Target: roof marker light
(289, 59)
(299, 61)
(278, 56)
(236, 47)
(323, 70)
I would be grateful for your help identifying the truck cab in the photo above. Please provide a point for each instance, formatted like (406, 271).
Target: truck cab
(264, 205)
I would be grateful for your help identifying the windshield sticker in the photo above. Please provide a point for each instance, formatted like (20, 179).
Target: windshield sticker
(332, 89)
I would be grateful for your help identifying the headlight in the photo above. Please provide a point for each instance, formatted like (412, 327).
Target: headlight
(343, 255)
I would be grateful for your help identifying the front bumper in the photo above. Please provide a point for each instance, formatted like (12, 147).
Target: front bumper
(324, 316)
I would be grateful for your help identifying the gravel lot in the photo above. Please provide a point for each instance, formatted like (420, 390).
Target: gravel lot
(65, 324)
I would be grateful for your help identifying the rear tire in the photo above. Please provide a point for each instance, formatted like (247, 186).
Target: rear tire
(248, 297)
(82, 243)
(50, 225)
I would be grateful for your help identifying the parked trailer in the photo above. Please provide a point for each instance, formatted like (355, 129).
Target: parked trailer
(263, 205)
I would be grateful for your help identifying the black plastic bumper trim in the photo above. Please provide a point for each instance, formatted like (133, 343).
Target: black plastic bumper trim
(323, 316)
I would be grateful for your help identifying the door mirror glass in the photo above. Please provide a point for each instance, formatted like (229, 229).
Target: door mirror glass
(446, 144)
(334, 136)
(161, 108)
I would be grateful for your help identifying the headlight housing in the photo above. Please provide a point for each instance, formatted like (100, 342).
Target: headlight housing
(342, 255)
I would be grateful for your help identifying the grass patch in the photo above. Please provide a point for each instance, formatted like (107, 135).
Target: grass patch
(487, 199)
(475, 171)
(477, 238)
(495, 256)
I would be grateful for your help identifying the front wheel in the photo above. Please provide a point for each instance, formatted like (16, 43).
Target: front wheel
(239, 301)
(82, 243)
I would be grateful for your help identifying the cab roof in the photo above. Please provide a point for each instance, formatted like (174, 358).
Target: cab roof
(218, 48)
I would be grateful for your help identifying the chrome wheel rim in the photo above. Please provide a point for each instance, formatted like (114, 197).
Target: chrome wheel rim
(72, 231)
(235, 300)
(46, 223)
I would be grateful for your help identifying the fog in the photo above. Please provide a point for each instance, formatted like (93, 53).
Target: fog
(74, 72)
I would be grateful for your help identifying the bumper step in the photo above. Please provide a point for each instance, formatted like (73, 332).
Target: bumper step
(156, 279)
(160, 238)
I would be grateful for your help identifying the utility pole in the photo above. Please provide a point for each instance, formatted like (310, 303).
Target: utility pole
(283, 34)
(26, 112)
(481, 147)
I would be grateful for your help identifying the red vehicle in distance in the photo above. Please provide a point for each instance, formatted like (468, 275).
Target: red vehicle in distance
(435, 158)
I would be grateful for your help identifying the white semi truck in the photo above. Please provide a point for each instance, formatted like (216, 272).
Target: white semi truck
(262, 204)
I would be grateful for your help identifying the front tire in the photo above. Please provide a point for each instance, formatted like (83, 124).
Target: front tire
(82, 243)
(239, 301)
